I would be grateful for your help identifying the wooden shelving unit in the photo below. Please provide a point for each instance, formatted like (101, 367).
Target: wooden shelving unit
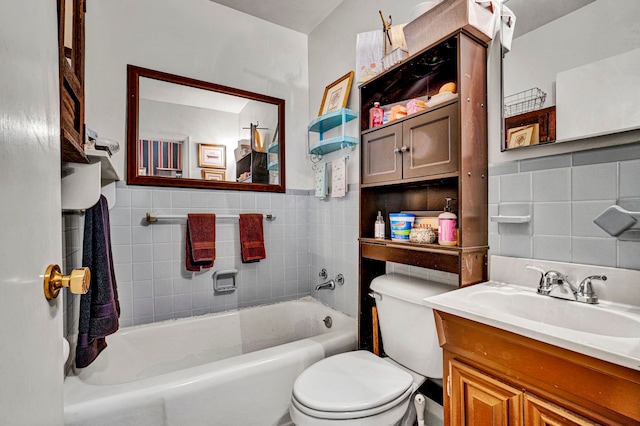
(415, 163)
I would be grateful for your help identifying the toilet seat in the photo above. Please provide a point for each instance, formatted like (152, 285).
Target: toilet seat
(346, 415)
(351, 385)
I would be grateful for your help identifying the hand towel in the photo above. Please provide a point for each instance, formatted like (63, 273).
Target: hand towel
(99, 307)
(200, 241)
(321, 180)
(252, 238)
(339, 178)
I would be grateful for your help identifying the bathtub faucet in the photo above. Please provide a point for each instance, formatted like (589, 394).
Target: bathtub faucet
(331, 284)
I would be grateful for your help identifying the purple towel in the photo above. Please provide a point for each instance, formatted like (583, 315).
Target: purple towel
(99, 307)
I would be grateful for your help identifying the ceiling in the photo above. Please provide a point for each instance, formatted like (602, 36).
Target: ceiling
(305, 15)
(299, 15)
(531, 14)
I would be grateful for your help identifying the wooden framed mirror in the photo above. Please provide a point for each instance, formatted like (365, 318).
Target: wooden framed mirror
(183, 132)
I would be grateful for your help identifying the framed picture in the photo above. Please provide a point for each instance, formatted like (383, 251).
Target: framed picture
(212, 156)
(336, 94)
(520, 136)
(213, 174)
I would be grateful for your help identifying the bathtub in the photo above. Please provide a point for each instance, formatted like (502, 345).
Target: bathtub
(231, 368)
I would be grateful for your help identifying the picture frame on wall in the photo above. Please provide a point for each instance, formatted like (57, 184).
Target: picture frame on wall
(521, 136)
(213, 174)
(212, 156)
(336, 94)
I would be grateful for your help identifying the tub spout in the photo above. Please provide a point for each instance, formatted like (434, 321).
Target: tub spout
(331, 285)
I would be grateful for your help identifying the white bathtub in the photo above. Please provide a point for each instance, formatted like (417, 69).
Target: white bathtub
(232, 368)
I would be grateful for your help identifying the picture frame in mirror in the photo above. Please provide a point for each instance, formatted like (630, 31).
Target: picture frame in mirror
(212, 156)
(213, 174)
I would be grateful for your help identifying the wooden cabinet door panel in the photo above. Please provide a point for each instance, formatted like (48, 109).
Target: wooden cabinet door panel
(381, 162)
(479, 400)
(432, 143)
(538, 412)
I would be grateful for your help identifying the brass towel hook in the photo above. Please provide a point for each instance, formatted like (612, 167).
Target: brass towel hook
(78, 281)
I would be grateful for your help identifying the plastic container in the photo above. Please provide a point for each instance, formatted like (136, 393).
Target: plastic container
(379, 227)
(401, 224)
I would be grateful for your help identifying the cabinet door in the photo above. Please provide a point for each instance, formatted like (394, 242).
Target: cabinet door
(430, 142)
(382, 161)
(538, 412)
(477, 399)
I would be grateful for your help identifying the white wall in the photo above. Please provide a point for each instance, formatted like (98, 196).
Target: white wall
(332, 53)
(334, 221)
(197, 125)
(198, 39)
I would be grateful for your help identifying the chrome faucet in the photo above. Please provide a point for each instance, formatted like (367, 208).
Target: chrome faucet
(552, 279)
(331, 284)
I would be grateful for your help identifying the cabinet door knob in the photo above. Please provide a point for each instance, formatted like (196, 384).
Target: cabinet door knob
(404, 148)
(396, 151)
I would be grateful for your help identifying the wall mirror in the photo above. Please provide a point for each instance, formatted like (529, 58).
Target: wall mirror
(570, 72)
(183, 132)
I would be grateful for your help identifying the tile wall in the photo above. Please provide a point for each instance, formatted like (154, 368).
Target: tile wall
(153, 284)
(333, 244)
(564, 194)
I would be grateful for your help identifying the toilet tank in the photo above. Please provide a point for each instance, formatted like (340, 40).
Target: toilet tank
(407, 327)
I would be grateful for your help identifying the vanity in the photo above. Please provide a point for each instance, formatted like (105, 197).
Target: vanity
(515, 357)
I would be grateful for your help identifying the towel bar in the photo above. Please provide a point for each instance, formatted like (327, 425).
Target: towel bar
(152, 217)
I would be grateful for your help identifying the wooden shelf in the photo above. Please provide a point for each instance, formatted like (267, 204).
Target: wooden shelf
(468, 262)
(397, 175)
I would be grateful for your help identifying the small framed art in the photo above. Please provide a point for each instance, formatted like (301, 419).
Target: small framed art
(336, 94)
(212, 156)
(213, 174)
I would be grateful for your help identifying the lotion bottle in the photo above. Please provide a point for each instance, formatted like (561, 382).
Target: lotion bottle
(378, 232)
(447, 226)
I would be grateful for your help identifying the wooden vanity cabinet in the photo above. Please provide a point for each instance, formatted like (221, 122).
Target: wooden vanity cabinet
(494, 377)
(416, 162)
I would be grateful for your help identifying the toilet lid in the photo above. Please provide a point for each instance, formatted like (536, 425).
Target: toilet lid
(351, 381)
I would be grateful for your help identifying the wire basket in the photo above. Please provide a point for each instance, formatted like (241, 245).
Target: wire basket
(525, 101)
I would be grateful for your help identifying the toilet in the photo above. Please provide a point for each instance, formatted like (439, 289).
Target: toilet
(360, 388)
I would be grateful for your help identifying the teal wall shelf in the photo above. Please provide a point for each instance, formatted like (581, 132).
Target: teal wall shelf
(327, 122)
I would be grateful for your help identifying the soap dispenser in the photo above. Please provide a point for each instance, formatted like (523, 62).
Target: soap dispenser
(447, 225)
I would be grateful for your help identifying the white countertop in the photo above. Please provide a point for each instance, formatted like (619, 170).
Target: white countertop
(607, 331)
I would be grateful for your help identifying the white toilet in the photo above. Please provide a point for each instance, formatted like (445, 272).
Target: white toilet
(359, 388)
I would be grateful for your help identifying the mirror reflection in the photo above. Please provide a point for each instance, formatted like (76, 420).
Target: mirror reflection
(184, 132)
(569, 72)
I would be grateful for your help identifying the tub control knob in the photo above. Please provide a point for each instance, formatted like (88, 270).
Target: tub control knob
(78, 281)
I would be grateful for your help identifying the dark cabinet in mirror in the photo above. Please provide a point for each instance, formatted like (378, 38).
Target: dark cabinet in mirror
(184, 132)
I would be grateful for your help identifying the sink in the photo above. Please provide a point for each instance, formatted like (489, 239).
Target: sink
(591, 319)
(608, 331)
